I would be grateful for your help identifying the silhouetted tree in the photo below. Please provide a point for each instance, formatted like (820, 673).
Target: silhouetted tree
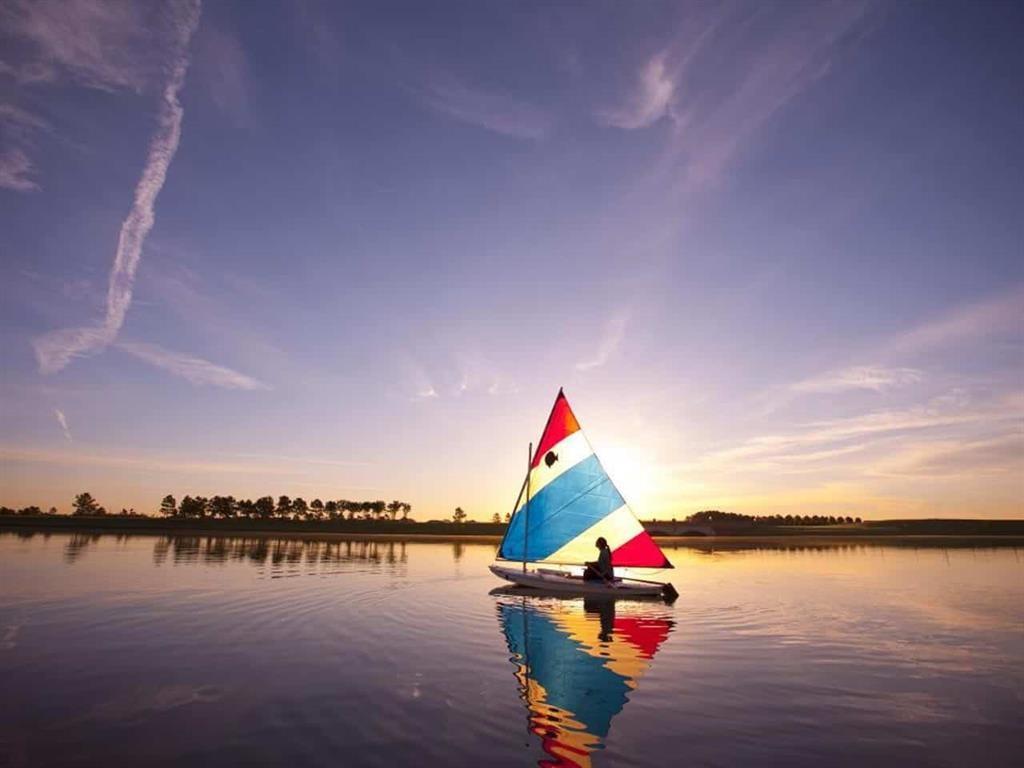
(264, 507)
(284, 506)
(495, 518)
(222, 507)
(458, 516)
(299, 507)
(30, 511)
(85, 504)
(193, 508)
(168, 507)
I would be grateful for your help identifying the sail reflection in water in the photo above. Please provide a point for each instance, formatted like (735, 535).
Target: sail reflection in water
(577, 662)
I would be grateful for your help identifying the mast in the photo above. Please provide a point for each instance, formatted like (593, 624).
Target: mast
(526, 508)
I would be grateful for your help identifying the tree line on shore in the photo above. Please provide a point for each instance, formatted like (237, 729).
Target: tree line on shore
(285, 508)
(230, 508)
(717, 516)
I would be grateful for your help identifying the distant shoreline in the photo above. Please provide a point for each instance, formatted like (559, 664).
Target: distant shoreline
(1007, 532)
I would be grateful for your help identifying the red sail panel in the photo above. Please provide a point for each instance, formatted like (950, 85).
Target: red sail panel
(561, 423)
(640, 552)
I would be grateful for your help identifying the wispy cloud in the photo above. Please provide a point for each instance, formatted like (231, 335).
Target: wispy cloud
(222, 68)
(1000, 455)
(19, 123)
(319, 460)
(994, 315)
(104, 44)
(199, 304)
(55, 350)
(425, 391)
(134, 461)
(494, 111)
(953, 409)
(18, 128)
(614, 331)
(62, 420)
(649, 102)
(864, 378)
(16, 171)
(452, 368)
(733, 76)
(193, 369)
(876, 378)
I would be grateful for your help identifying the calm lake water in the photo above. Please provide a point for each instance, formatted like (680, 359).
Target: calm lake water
(231, 651)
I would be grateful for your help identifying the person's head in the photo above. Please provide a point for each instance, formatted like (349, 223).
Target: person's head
(601, 543)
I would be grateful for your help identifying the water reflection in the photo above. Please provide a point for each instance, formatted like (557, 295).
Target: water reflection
(284, 556)
(800, 545)
(577, 661)
(77, 544)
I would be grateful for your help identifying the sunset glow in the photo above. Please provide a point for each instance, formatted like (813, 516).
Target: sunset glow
(775, 259)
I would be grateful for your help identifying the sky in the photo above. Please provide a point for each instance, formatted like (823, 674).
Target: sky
(774, 253)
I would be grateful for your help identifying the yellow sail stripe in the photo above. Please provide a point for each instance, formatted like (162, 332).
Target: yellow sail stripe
(617, 528)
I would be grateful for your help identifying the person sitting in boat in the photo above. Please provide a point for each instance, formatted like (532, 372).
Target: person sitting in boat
(601, 569)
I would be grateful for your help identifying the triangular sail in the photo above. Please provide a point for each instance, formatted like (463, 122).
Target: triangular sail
(572, 502)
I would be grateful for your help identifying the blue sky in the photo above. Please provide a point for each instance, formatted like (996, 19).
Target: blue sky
(338, 250)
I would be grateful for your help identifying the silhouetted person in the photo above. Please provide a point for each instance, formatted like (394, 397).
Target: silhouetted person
(601, 569)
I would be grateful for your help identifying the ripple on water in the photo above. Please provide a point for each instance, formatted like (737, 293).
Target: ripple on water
(253, 652)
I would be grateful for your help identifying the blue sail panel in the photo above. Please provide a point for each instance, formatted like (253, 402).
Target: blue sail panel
(561, 511)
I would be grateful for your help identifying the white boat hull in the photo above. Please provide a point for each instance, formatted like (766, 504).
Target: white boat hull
(559, 581)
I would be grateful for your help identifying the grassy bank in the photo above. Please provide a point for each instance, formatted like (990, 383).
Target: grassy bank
(410, 531)
(924, 527)
(405, 530)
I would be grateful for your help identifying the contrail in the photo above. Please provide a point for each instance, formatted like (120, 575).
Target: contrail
(56, 349)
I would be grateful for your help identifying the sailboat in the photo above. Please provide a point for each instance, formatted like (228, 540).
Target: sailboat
(567, 502)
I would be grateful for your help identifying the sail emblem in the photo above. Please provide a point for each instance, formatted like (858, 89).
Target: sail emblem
(568, 501)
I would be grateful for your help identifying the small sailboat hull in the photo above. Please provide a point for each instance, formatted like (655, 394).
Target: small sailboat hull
(551, 580)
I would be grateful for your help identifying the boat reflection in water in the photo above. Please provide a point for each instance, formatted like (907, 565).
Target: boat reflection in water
(577, 662)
